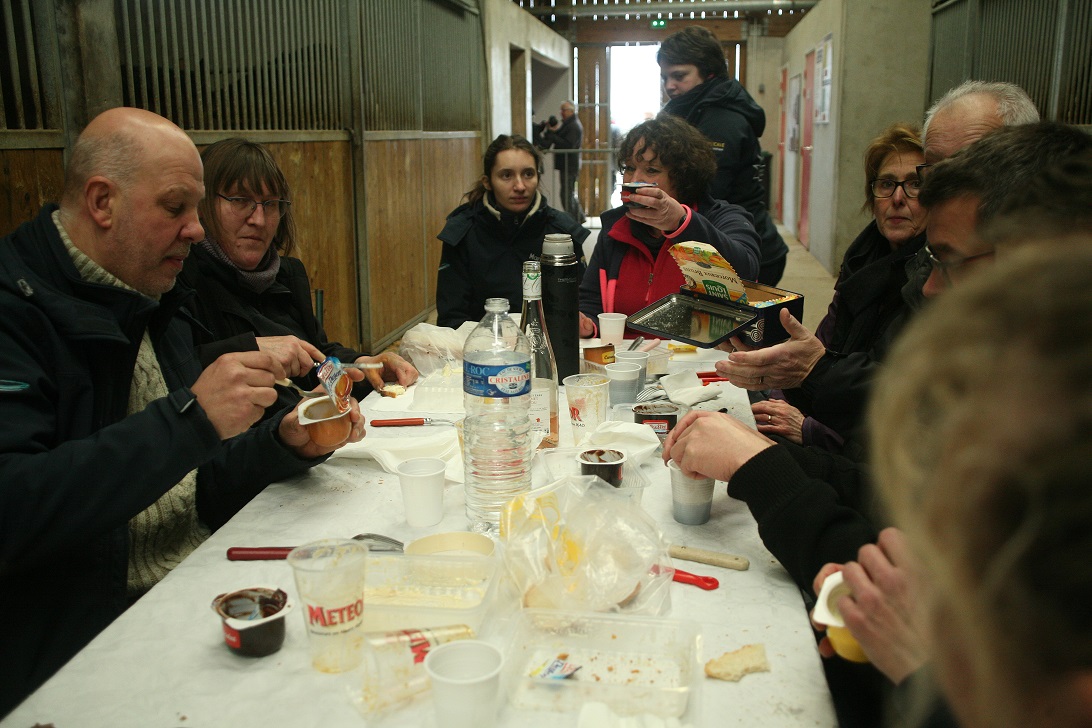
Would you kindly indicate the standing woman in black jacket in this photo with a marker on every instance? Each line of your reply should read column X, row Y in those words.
column 695, row 78
column 501, row 225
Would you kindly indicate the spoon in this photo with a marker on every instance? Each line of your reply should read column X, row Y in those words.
column 375, row 541
column 299, row 390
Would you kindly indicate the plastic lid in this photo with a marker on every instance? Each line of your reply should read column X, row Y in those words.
column 557, row 244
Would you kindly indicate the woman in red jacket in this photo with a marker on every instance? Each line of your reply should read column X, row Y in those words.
column 631, row 266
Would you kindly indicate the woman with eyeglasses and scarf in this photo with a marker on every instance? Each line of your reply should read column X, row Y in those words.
column 251, row 292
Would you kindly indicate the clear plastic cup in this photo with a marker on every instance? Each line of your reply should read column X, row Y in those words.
column 330, row 580
column 587, row 397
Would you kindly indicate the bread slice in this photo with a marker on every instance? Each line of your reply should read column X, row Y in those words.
column 734, row 665
column 392, row 390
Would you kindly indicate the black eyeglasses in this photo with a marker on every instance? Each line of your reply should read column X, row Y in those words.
column 947, row 267
column 245, row 207
column 923, row 170
column 884, row 188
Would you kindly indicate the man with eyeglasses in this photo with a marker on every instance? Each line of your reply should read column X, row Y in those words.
column 118, row 454
column 961, row 117
column 967, row 191
column 814, row 509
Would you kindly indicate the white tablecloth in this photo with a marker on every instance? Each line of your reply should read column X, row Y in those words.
column 163, row 663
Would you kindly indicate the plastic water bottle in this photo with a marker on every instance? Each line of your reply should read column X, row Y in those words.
column 497, row 437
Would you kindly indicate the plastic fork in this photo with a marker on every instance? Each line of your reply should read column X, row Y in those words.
column 651, row 392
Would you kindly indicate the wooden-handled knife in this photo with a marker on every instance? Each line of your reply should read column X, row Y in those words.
column 713, row 558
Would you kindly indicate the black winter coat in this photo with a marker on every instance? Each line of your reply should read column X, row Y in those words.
column 231, row 315
column 74, row 469
column 722, row 110
column 865, row 316
column 483, row 257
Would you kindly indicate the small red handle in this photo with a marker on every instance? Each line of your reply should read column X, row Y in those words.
column 257, row 553
column 702, row 582
column 403, row 422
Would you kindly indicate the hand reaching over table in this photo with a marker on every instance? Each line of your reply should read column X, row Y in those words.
column 297, row 356
column 235, row 390
column 781, row 366
column 712, row 445
column 395, row 369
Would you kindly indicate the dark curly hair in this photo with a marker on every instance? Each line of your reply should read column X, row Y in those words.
column 696, row 46
column 683, row 151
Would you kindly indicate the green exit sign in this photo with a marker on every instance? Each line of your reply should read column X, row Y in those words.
column 659, row 23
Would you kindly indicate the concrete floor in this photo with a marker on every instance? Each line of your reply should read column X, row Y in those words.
column 803, row 274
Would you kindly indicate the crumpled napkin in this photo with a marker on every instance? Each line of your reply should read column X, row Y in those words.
column 685, row 388
column 636, row 441
column 390, row 452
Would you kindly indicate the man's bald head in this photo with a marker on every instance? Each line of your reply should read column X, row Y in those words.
column 115, row 145
column 132, row 188
column 970, row 111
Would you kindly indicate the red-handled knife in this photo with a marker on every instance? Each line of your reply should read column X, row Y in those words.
column 410, row 422
column 257, row 553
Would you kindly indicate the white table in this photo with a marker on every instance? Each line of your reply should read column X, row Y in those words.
column 163, row 662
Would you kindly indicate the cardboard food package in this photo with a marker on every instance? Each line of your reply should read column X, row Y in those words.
column 715, row 304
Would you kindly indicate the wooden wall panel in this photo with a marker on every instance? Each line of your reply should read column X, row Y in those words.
column 32, row 177
column 320, row 175
column 459, row 160
column 596, row 181
column 396, row 250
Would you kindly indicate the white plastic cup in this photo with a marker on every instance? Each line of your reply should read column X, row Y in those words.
column 623, row 381
column 612, row 328
column 691, row 498
column 422, row 482
column 465, row 677
column 635, row 357
column 587, row 398
column 330, row 580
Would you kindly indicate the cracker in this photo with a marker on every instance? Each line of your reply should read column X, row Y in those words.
column 734, row 665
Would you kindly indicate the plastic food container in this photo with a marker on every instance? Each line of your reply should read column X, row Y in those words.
column 404, row 591
column 549, row 465
column 633, row 664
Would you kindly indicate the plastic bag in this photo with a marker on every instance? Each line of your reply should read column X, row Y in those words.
column 432, row 348
column 577, row 544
